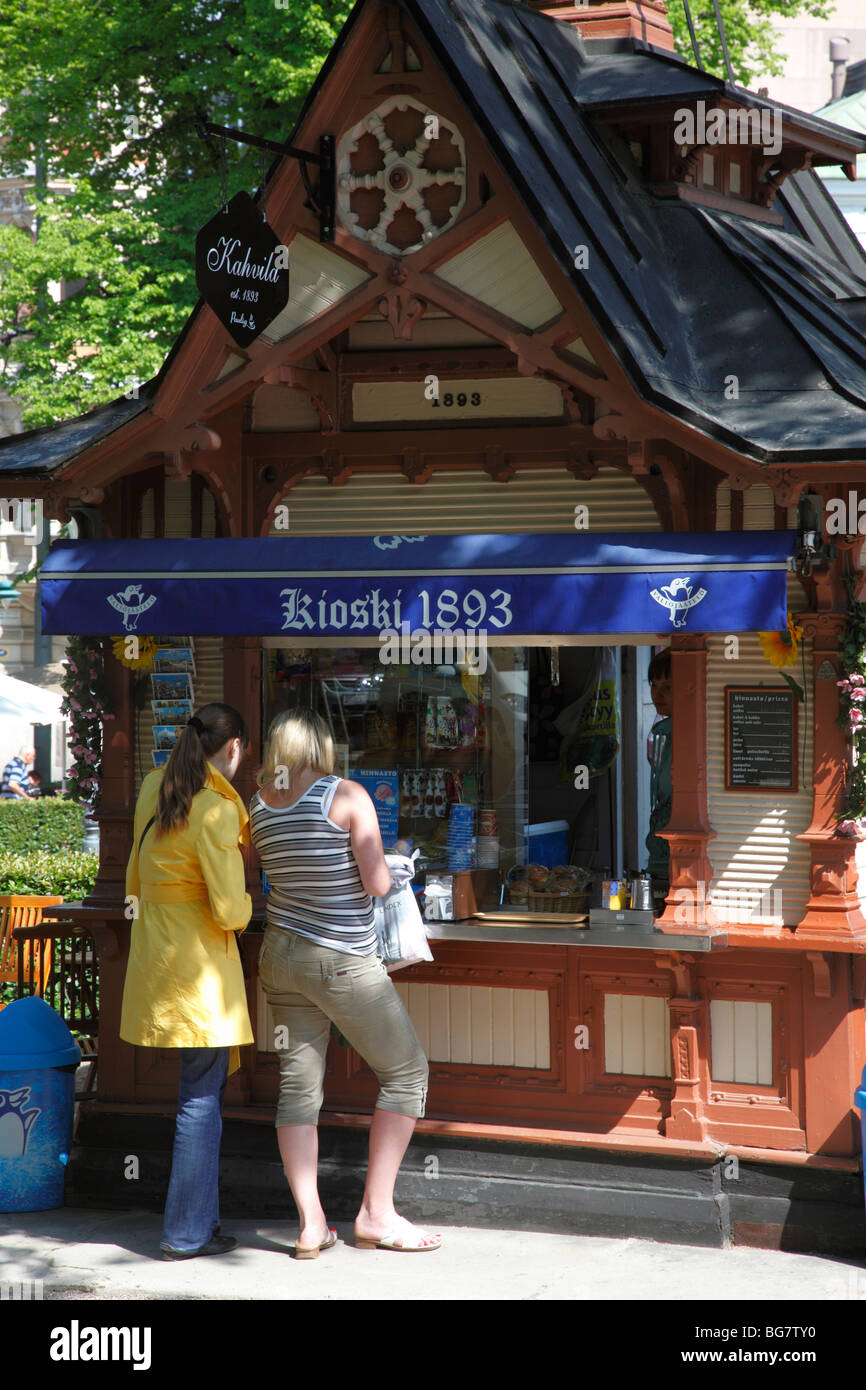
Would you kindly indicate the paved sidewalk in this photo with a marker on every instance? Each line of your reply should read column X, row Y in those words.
column 84, row 1254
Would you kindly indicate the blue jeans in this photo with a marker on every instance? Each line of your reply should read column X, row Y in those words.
column 192, row 1204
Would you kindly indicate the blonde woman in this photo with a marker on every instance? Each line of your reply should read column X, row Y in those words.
column 184, row 984
column 318, row 840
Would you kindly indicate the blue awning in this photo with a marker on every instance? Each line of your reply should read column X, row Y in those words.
column 360, row 586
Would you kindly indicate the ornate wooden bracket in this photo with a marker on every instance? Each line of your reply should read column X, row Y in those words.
column 58, row 505
column 497, row 465
column 414, row 468
column 611, row 426
column 686, row 167
column 204, row 436
column 822, row 973
column 786, row 486
column 321, row 387
column 335, row 468
column 792, row 161
column 402, row 311
column 682, row 966
column 583, row 466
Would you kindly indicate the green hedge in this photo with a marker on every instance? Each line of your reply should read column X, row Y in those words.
column 69, row 875
column 53, row 823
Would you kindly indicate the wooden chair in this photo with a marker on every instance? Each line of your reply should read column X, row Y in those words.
column 70, row 984
column 24, row 910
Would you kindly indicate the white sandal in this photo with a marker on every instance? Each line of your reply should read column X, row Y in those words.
column 393, row 1240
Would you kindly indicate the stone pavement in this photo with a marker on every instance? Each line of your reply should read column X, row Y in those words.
column 81, row 1254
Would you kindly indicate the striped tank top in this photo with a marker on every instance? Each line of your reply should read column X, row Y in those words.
column 316, row 887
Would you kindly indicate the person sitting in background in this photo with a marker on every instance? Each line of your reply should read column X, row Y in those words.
column 34, row 782
column 15, row 782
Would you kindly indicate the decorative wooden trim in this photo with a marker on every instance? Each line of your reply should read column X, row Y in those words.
column 688, row 831
column 822, row 973
column 833, row 907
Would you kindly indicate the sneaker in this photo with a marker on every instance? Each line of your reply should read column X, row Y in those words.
column 217, row 1245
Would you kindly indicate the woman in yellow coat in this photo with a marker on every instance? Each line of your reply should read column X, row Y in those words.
column 184, row 983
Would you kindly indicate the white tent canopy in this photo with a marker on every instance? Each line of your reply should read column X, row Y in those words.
column 21, row 700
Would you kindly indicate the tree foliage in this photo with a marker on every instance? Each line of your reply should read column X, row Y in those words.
column 106, row 94
column 754, row 42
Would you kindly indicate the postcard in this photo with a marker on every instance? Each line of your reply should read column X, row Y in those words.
column 165, row 712
column 161, row 756
column 174, row 660
column 171, row 686
column 165, row 736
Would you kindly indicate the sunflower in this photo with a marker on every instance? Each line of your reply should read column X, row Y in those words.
column 782, row 648
column 146, row 648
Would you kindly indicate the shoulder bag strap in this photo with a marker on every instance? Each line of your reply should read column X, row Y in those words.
column 144, row 832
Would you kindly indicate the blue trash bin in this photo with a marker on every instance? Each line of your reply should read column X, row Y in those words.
column 38, row 1057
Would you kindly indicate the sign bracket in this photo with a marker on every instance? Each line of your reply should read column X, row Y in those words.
column 325, row 203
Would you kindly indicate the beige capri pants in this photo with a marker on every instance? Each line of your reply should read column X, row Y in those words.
column 310, row 986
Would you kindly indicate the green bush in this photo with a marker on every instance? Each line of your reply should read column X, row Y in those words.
column 69, row 875
column 53, row 823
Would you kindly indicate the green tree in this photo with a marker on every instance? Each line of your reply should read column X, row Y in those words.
column 753, row 41
column 106, row 94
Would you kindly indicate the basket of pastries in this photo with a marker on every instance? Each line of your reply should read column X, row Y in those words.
column 540, row 889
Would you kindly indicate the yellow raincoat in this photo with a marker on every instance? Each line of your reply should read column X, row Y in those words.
column 184, row 980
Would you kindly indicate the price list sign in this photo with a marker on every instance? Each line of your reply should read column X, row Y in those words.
column 760, row 739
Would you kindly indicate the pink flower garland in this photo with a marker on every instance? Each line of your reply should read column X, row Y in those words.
column 85, row 708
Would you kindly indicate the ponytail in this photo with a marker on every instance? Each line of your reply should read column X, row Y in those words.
column 186, row 770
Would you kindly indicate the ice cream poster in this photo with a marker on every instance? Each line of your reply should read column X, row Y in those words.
column 383, row 787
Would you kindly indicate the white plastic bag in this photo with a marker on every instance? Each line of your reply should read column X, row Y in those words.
column 399, row 925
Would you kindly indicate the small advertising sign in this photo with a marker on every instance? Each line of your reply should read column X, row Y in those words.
column 241, row 269
column 383, row 787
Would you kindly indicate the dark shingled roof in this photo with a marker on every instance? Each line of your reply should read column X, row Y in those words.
column 44, row 450
column 686, row 296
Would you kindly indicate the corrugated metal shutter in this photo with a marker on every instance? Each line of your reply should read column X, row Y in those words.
column 208, row 651
column 759, row 512
column 755, row 851
column 457, row 503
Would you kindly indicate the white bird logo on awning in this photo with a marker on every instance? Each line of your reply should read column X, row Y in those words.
column 667, row 596
column 131, row 603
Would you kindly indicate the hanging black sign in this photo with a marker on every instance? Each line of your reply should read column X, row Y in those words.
column 241, row 269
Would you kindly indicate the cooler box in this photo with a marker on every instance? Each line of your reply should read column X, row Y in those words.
column 546, row 843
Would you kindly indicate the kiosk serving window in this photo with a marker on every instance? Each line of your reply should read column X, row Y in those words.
column 479, row 767
column 423, row 740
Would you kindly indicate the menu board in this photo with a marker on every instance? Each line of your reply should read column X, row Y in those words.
column 760, row 739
